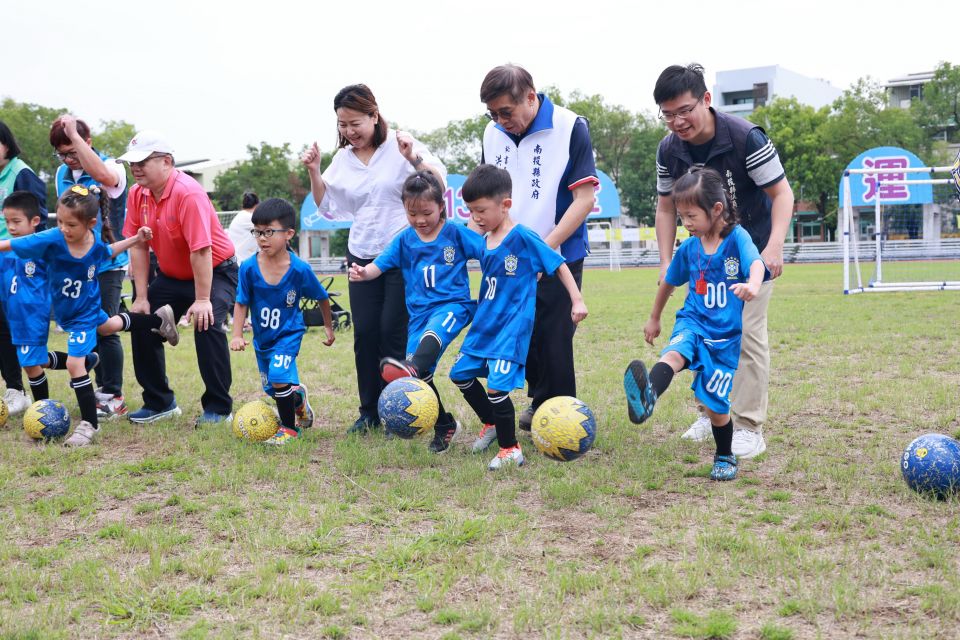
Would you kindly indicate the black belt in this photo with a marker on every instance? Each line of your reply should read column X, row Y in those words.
column 229, row 262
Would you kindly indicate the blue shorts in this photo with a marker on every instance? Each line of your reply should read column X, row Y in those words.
column 277, row 367
column 443, row 323
column 81, row 341
column 714, row 363
column 31, row 355
column 501, row 375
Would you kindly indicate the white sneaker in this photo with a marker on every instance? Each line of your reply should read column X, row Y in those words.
column 488, row 435
column 506, row 457
column 700, row 430
column 747, row 444
column 16, row 401
column 82, row 435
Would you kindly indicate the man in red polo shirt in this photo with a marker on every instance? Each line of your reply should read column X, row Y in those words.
column 197, row 275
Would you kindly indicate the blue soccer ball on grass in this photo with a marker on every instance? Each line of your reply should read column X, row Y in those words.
column 931, row 464
column 408, row 407
column 46, row 419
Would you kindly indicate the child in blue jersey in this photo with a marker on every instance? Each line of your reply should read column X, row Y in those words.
column 73, row 256
column 433, row 257
column 271, row 284
column 719, row 257
column 497, row 343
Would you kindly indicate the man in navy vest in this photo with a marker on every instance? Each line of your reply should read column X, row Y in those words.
column 84, row 165
column 754, row 177
column 549, row 155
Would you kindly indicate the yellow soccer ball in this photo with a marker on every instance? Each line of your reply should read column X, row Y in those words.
column 408, row 407
column 46, row 419
column 563, row 428
column 255, row 421
column 4, row 413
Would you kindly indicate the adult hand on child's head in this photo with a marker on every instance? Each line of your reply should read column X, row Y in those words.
column 330, row 337
column 238, row 343
column 200, row 314
column 311, row 157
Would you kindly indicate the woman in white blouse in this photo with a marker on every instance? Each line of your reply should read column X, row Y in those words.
column 363, row 184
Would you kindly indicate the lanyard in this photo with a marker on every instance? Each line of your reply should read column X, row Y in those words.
column 701, row 284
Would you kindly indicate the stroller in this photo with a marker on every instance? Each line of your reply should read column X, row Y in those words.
column 313, row 317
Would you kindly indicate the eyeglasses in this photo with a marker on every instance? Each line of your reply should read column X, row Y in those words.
column 683, row 113
column 147, row 159
column 499, row 114
column 265, row 233
column 69, row 155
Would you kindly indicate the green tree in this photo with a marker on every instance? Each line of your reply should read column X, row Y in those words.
column 270, row 171
column 458, row 144
column 113, row 137
column 638, row 174
column 612, row 130
column 939, row 110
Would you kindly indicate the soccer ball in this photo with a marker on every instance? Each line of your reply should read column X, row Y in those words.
column 408, row 407
column 255, row 421
column 563, row 428
column 931, row 463
column 46, row 419
column 4, row 413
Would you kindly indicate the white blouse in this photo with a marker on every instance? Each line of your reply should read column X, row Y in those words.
column 369, row 194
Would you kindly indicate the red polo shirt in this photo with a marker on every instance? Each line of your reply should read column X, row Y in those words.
column 183, row 221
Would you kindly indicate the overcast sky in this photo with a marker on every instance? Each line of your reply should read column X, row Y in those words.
column 215, row 76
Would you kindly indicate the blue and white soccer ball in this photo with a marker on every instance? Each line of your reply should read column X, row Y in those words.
column 931, row 464
column 563, row 428
column 46, row 419
column 408, row 407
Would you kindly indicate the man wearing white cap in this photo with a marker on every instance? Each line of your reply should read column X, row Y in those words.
column 197, row 275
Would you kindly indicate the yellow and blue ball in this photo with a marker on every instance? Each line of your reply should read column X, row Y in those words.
column 931, row 464
column 46, row 419
column 563, row 428
column 255, row 421
column 408, row 407
column 4, row 413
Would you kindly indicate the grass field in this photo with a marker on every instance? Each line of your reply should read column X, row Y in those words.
column 168, row 531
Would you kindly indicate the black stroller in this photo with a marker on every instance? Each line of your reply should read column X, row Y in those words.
column 312, row 316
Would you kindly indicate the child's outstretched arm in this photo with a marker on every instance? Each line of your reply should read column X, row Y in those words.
column 4, row 245
column 143, row 235
column 360, row 274
column 328, row 320
column 652, row 329
column 748, row 290
column 578, row 310
column 237, row 343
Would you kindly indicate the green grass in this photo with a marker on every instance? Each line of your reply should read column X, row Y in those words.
column 166, row 530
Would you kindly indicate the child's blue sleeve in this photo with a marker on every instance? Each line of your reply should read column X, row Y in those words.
column 748, row 253
column 473, row 242
column 390, row 258
column 678, row 273
column 311, row 287
column 35, row 245
column 544, row 258
column 243, row 283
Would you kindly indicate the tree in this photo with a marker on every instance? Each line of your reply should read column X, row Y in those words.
column 638, row 174
column 113, row 137
column 938, row 112
column 269, row 171
column 458, row 145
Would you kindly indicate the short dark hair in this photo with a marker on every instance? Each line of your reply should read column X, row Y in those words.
column 250, row 200
column 26, row 202
column 423, row 185
column 487, row 181
column 702, row 187
column 675, row 81
column 58, row 136
column 507, row 79
column 7, row 139
column 358, row 97
column 275, row 209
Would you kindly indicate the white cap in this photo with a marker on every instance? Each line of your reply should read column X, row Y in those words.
column 145, row 143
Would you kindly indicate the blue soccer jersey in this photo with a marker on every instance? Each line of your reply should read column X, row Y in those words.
column 26, row 299
column 435, row 272
column 503, row 323
column 73, row 285
column 275, row 308
column 716, row 312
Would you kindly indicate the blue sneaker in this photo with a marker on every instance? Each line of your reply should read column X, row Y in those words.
column 209, row 417
column 640, row 395
column 145, row 415
column 363, row 426
column 724, row 468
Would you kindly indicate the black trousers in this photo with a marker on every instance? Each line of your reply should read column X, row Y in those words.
column 550, row 370
column 110, row 370
column 379, row 312
column 9, row 364
column 213, row 353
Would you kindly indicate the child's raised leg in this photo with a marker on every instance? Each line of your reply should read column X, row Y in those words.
column 643, row 388
column 724, row 462
column 80, row 381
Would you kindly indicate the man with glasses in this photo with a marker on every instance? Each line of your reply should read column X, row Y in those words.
column 549, row 155
column 83, row 165
column 196, row 275
column 741, row 152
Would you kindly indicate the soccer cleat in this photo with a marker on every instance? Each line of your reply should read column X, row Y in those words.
column 640, row 395
column 209, row 417
column 724, row 468
column 363, row 426
column 168, row 325
column 16, row 401
column 700, row 430
column 392, row 369
column 303, row 409
column 110, row 407
column 506, row 457
column 145, row 415
column 91, row 361
column 525, row 421
column 748, row 444
column 82, row 435
column 282, row 437
column 443, row 436
column 488, row 434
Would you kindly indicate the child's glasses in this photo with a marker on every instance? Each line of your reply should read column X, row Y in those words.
column 265, row 233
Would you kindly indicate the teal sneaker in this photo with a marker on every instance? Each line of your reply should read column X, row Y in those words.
column 724, row 468
column 640, row 395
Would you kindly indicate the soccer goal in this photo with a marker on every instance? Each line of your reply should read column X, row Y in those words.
column 910, row 247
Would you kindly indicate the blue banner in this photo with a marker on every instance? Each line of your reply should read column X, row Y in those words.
column 606, row 205
column 865, row 187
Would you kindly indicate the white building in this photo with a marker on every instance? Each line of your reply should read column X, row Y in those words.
column 740, row 91
column 206, row 171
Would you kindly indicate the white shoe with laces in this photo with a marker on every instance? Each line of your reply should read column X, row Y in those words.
column 748, row 444
column 700, row 430
column 82, row 435
column 16, row 401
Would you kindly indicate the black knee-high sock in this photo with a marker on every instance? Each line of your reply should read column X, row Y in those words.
column 38, row 387
column 724, row 438
column 504, row 417
column 476, row 397
column 660, row 377
column 426, row 355
column 140, row 321
column 86, row 399
column 58, row 360
column 286, row 405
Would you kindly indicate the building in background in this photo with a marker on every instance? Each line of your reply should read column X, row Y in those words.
column 206, row 171
column 740, row 91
